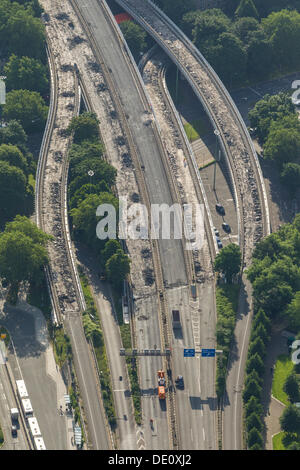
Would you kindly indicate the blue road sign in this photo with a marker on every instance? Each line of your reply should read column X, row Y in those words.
column 189, row 352
column 208, row 352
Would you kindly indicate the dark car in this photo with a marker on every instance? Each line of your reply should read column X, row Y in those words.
column 220, row 209
column 14, row 430
column 226, row 227
column 179, row 382
column 219, row 243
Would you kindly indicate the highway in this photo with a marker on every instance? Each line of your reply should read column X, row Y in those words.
column 246, row 176
column 158, row 187
column 8, row 401
column 51, row 212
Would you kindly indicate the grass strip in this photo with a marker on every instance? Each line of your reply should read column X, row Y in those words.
column 93, row 332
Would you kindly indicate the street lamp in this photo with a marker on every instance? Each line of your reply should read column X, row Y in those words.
column 91, row 174
column 217, row 133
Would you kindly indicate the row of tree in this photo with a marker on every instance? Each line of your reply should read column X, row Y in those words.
column 275, row 278
column 91, row 182
column 255, row 368
column 22, row 245
column 240, row 42
column 278, row 129
column 227, row 263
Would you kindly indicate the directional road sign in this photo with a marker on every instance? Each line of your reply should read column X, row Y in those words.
column 189, row 352
column 208, row 352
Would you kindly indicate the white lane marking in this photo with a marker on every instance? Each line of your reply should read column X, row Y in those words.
column 203, row 434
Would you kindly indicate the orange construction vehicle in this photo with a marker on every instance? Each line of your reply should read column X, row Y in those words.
column 161, row 384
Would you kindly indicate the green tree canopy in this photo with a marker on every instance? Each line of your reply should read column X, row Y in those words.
column 228, row 261
column 22, row 252
column 291, row 387
column 14, row 134
column 135, row 37
column 111, row 247
column 246, row 8
column 27, row 107
column 85, row 127
column 290, row 177
column 12, row 190
column 255, row 362
column 254, row 438
column 14, row 156
column 26, row 72
column 252, row 388
column 25, row 35
column 117, row 268
column 290, row 419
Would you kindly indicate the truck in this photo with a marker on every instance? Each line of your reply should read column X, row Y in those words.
column 161, row 384
column 176, row 319
column 14, row 414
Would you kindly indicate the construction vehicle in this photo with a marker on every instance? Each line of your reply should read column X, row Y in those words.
column 161, row 384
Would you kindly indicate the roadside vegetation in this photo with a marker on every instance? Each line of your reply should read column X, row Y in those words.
column 275, row 278
column 132, row 365
column 24, row 63
column 93, row 332
column 277, row 128
column 91, row 183
column 282, row 372
column 244, row 40
column 227, row 265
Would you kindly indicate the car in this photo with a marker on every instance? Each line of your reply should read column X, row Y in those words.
column 216, row 232
column 220, row 209
column 219, row 243
column 179, row 381
column 14, row 430
column 226, row 227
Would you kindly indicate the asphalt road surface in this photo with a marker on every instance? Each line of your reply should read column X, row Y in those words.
column 171, row 251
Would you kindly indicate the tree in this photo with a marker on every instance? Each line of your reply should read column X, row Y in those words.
column 12, row 190
column 246, row 8
column 291, row 387
column 255, row 362
column 175, row 9
column 28, row 107
column 290, row 419
column 260, row 331
column 257, row 346
column 270, row 108
column 14, row 134
column 26, row 72
column 22, row 256
column 253, row 376
column 254, row 438
column 117, row 268
column 253, row 406
column 252, row 388
column 135, row 37
column 290, row 177
column 12, row 155
column 293, row 312
column 282, row 146
column 260, row 318
column 85, row 219
column 111, row 247
column 228, row 261
column 25, row 35
column 254, row 421
column 85, row 127
column 283, row 30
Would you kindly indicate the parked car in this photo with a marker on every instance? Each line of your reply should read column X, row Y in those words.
column 14, row 430
column 220, row 209
column 219, row 243
column 226, row 227
column 216, row 232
